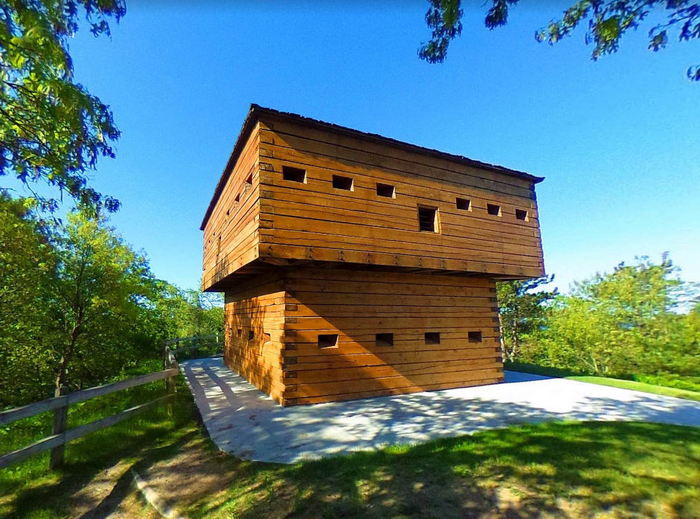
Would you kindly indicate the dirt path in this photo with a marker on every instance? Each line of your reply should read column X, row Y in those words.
column 178, row 481
column 110, row 494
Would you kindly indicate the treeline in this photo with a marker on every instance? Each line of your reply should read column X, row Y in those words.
column 640, row 321
column 78, row 306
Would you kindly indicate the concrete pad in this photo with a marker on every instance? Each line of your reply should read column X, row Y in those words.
column 245, row 422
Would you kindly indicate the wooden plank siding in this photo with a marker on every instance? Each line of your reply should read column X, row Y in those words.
column 231, row 233
column 315, row 221
column 356, row 305
column 253, row 333
column 288, row 308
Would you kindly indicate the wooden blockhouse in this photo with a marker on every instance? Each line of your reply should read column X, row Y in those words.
column 354, row 265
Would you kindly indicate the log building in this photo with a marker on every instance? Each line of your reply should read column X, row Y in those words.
column 354, row 265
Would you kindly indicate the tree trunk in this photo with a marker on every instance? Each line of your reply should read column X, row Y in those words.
column 500, row 331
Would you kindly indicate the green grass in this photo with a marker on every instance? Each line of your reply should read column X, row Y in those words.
column 671, row 380
column 39, row 492
column 551, row 469
column 606, row 381
column 569, row 469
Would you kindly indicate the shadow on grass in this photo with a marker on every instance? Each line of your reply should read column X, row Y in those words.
column 123, row 486
column 555, row 469
column 97, row 461
column 527, row 471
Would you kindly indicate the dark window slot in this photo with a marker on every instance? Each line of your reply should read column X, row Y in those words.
column 386, row 190
column 328, row 340
column 521, row 214
column 384, row 339
column 432, row 337
column 251, row 335
column 249, row 180
column 475, row 337
column 464, row 204
column 342, row 182
column 294, row 174
column 427, row 219
column 493, row 209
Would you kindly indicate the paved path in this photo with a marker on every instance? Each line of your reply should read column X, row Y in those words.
column 247, row 423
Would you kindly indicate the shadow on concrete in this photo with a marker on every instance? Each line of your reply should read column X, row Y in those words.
column 245, row 422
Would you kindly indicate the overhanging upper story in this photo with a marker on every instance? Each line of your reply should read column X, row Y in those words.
column 296, row 190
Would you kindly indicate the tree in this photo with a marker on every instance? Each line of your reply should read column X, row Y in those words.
column 27, row 266
column 188, row 313
column 100, row 292
column 608, row 21
column 52, row 130
column 623, row 322
column 79, row 307
column 522, row 311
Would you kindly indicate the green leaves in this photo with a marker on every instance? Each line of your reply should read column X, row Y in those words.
column 608, row 21
column 52, row 130
column 523, row 308
column 444, row 18
column 75, row 299
column 621, row 323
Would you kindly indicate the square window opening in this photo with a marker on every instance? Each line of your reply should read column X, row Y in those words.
column 384, row 339
column 493, row 209
column 475, row 337
column 240, row 332
column 428, row 219
column 294, row 174
column 521, row 214
column 328, row 340
column 464, row 204
column 386, row 190
column 342, row 183
column 432, row 337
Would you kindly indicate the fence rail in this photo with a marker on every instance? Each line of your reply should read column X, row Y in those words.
column 194, row 338
column 190, row 347
column 49, row 404
column 59, row 405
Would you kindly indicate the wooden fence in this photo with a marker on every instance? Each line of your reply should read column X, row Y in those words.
column 207, row 344
column 60, row 435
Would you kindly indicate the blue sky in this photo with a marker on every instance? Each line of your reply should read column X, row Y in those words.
column 617, row 139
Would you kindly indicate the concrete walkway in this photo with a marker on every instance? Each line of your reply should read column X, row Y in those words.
column 247, row 423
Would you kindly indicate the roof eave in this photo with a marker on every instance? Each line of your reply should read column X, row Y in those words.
column 247, row 127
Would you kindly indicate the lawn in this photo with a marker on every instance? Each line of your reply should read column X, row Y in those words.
column 551, row 469
column 607, row 381
column 29, row 489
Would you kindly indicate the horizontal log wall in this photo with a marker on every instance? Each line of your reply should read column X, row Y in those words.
column 357, row 305
column 231, row 232
column 254, row 329
column 316, row 221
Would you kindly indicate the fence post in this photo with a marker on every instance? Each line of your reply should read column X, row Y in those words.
column 167, row 364
column 60, row 420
